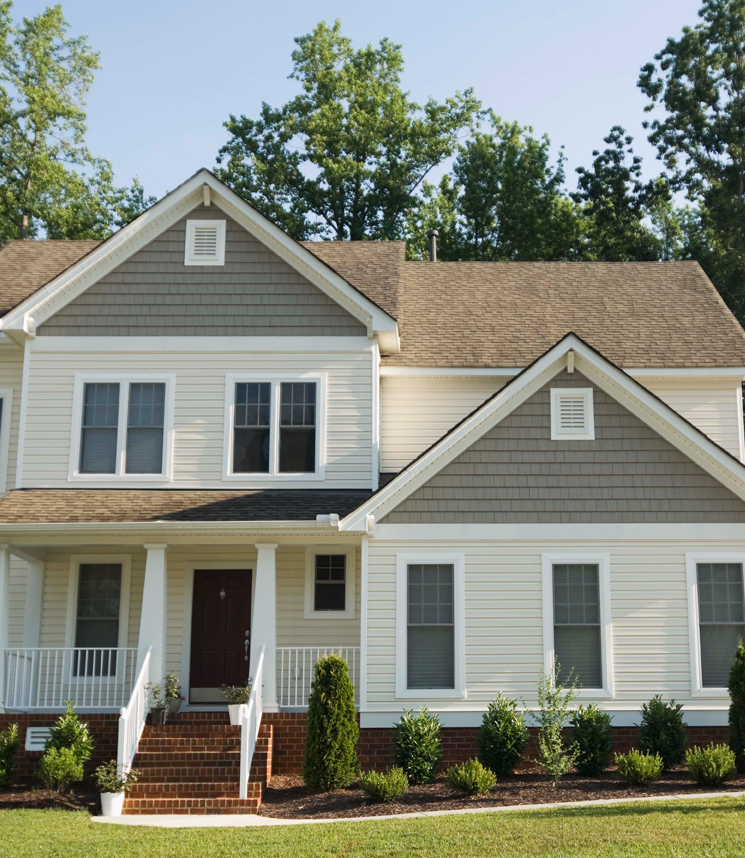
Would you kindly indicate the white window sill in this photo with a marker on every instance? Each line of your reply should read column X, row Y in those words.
column 431, row 694
column 600, row 693
column 717, row 693
column 317, row 476
column 118, row 478
column 329, row 615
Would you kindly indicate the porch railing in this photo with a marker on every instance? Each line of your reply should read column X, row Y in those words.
column 250, row 724
column 296, row 666
column 46, row 677
column 132, row 718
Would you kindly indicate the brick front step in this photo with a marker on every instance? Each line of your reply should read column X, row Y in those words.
column 201, row 806
column 203, row 789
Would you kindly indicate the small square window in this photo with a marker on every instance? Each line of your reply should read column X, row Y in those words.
column 572, row 414
column 330, row 583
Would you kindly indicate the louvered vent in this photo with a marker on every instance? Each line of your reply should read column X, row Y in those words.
column 205, row 242
column 572, row 417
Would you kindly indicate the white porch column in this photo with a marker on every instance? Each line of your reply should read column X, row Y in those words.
column 153, row 617
column 4, row 616
column 34, row 592
column 264, row 622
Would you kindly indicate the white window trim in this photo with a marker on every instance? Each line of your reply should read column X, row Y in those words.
column 6, row 394
column 602, row 561
column 76, row 560
column 311, row 551
column 586, row 394
column 458, row 561
column 275, row 379
column 124, row 380
column 191, row 225
column 692, row 561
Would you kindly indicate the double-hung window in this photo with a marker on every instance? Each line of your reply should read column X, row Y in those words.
column 274, row 427
column 717, row 614
column 123, row 429
column 97, row 623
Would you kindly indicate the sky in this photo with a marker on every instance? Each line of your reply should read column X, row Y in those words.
column 171, row 74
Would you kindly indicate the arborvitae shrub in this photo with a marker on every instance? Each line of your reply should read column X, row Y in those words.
column 638, row 768
column 418, row 746
column 736, row 687
column 9, row 743
column 470, row 778
column 662, row 730
column 384, row 786
column 330, row 760
column 592, row 740
column 711, row 766
column 502, row 737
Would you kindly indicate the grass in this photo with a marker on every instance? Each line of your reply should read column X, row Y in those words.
column 712, row 828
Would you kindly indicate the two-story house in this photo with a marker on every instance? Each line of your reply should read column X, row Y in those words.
column 225, row 452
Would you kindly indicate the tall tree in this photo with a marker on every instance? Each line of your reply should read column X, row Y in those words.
column 346, row 157
column 616, row 203
column 698, row 82
column 49, row 181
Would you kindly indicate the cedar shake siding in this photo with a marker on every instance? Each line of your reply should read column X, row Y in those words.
column 516, row 473
column 255, row 293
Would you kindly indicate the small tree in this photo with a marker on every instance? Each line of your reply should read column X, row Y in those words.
column 662, row 730
column 502, row 737
column 554, row 700
column 736, row 687
column 71, row 732
column 418, row 746
column 330, row 760
column 591, row 739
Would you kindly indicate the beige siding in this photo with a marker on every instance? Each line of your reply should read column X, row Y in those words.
column 416, row 412
column 17, row 606
column 713, row 405
column 11, row 376
column 200, row 411
column 504, row 631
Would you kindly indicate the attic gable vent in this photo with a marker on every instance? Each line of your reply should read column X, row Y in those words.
column 205, row 242
column 572, row 417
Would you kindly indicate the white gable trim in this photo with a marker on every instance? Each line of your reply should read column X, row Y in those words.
column 22, row 321
column 630, row 393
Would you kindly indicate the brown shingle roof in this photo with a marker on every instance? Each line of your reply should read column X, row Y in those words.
column 65, row 506
column 27, row 265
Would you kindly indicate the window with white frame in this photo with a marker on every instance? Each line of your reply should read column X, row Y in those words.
column 572, row 414
column 721, row 619
column 275, row 427
column 430, row 627
column 122, row 428
column 205, row 242
column 577, row 627
column 97, row 618
column 329, row 583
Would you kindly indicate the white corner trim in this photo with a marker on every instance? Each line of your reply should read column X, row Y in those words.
column 364, row 581
column 694, row 639
column 375, row 416
column 76, row 560
column 458, row 562
column 349, row 552
column 190, row 256
column 6, row 395
column 124, row 379
column 558, row 433
column 740, row 420
column 22, row 416
column 275, row 379
column 606, row 625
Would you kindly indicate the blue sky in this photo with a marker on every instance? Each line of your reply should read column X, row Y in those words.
column 171, row 74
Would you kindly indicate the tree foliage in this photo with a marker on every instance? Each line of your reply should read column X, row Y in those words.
column 736, row 687
column 345, row 157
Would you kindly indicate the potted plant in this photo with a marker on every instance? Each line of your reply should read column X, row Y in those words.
column 158, row 705
column 237, row 697
column 113, row 786
column 172, row 693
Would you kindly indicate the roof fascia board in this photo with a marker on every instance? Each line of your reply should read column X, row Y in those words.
column 224, row 527
column 735, row 372
column 631, row 393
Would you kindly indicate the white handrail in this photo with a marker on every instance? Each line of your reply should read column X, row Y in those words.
column 132, row 718
column 250, row 725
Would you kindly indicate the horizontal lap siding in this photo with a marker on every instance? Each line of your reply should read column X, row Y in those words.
column 199, row 413
column 11, row 376
column 17, row 602
column 504, row 631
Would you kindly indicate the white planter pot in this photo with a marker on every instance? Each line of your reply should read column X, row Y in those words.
column 112, row 803
column 236, row 710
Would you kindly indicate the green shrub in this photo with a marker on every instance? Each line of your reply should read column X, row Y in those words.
column 9, row 743
column 108, row 778
column 638, row 768
column 554, row 699
column 662, row 730
column 736, row 687
column 384, row 786
column 502, row 737
column 592, row 740
column 330, row 759
column 58, row 768
column 418, row 746
column 470, row 778
column 70, row 732
column 711, row 766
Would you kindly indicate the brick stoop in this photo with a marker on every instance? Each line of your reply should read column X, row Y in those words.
column 192, row 765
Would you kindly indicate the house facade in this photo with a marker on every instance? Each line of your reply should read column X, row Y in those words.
column 225, row 453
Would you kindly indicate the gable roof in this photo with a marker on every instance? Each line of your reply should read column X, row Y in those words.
column 640, row 402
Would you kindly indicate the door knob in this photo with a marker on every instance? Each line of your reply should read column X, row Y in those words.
column 245, row 643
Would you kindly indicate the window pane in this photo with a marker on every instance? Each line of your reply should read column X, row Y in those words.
column 578, row 647
column 577, row 623
column 722, row 619
column 431, row 634
column 330, row 582
column 297, row 433
column 718, row 648
column 99, row 429
column 99, row 595
column 147, row 403
column 252, row 421
column 253, row 404
column 251, row 451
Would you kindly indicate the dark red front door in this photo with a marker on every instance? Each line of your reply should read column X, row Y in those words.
column 220, row 627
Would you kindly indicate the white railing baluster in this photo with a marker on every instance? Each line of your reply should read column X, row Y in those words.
column 296, row 667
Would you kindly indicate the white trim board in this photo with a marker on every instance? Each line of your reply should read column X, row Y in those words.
column 227, row 345
column 735, row 372
column 6, row 395
column 534, row 533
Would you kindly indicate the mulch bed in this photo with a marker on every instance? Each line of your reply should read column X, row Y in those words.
column 80, row 798
column 289, row 798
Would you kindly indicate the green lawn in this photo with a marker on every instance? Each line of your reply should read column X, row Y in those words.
column 713, row 828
